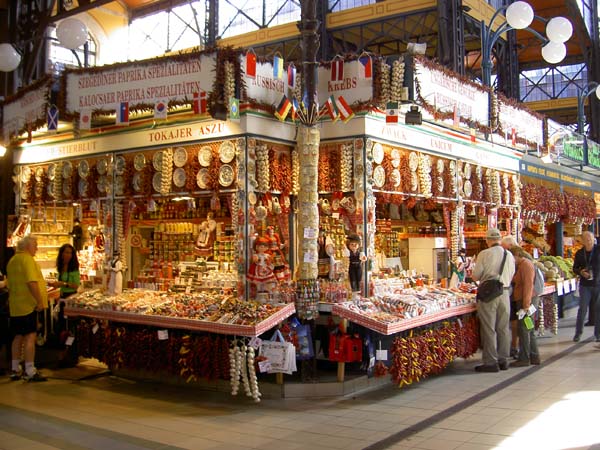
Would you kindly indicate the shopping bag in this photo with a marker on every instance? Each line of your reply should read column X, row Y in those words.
column 281, row 354
column 337, row 347
column 353, row 349
column 304, row 348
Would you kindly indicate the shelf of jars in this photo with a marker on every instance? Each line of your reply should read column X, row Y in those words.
column 212, row 312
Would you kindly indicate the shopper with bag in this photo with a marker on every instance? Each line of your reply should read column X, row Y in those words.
column 494, row 270
column 587, row 266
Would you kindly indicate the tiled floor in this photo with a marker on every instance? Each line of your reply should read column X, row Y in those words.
column 553, row 406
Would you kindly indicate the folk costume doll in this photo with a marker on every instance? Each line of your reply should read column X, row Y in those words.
column 206, row 236
column 280, row 266
column 115, row 284
column 357, row 258
column 260, row 272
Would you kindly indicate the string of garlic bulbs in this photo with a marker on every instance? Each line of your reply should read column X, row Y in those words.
column 234, row 372
column 295, row 172
column 119, row 230
column 244, row 370
column 297, row 93
column 252, row 378
column 263, row 172
column 166, row 171
column 555, row 321
column 541, row 325
column 385, row 84
column 346, row 169
column 397, row 81
column 424, row 169
column 57, row 182
column 229, row 83
column 496, row 189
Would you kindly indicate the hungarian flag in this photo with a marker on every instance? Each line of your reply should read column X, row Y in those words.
column 391, row 112
column 52, row 118
column 344, row 109
column 337, row 69
column 160, row 109
column 291, row 75
column 332, row 108
column 277, row 67
column 366, row 67
column 85, row 119
column 284, row 108
column 251, row 65
column 473, row 134
column 123, row 113
column 199, row 102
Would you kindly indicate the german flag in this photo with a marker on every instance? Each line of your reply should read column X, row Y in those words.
column 284, row 108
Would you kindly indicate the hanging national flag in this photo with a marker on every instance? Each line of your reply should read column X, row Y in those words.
column 251, row 64
column 337, row 69
column 513, row 137
column 332, row 108
column 85, row 119
column 391, row 112
column 291, row 75
column 295, row 108
column 123, row 114
column 455, row 117
column 52, row 118
column 277, row 67
column 234, row 108
column 344, row 109
column 473, row 134
column 283, row 109
column 366, row 67
column 160, row 109
column 199, row 102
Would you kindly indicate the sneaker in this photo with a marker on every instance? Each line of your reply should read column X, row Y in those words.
column 14, row 375
column 35, row 377
column 514, row 353
column 504, row 365
column 535, row 360
column 487, row 368
column 520, row 363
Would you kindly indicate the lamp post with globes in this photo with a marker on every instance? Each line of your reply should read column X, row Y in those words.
column 585, row 93
column 519, row 16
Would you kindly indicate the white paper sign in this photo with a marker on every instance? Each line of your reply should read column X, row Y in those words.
column 371, row 362
column 264, row 366
column 95, row 329
column 310, row 257
column 566, row 286
column 310, row 233
column 381, row 355
column 573, row 284
column 69, row 341
column 255, row 342
column 163, row 335
column 559, row 288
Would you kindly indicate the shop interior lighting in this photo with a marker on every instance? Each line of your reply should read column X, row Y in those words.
column 2, row 150
column 414, row 116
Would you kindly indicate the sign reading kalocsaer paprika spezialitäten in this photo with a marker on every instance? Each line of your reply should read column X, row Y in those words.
column 572, row 147
column 593, row 154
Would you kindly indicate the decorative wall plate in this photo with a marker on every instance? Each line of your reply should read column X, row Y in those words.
column 414, row 182
column 205, row 156
column 102, row 166
column 179, row 177
column 226, row 175
column 157, row 160
column 50, row 189
column 227, row 152
column 180, row 157
column 67, row 169
column 395, row 155
column 137, row 182
column 413, row 161
column 83, row 186
column 24, row 192
column 39, row 173
column 478, row 171
column 452, row 167
column 379, row 176
column 395, row 177
column 102, row 184
column 467, row 189
column 25, row 174
column 120, row 164
column 378, row 153
column 139, row 161
column 440, row 184
column 119, row 185
column 83, row 168
column 66, row 188
column 467, row 170
column 157, row 181
column 440, row 166
column 202, row 179
column 51, row 171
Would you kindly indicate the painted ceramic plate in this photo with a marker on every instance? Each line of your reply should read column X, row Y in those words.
column 440, row 184
column 139, row 161
column 120, row 165
column 413, row 161
column 414, row 182
column 378, row 153
column 440, row 166
column 39, row 173
column 83, row 186
column 202, row 179
column 467, row 188
column 66, row 188
column 205, row 156
column 180, row 157
column 467, row 170
column 379, row 176
column 157, row 181
column 119, row 185
column 67, row 169
column 226, row 175
column 505, row 180
column 25, row 174
column 137, row 182
column 39, row 190
column 395, row 177
column 51, row 171
column 102, row 184
column 478, row 171
column 24, row 192
column 252, row 198
column 50, row 189
column 179, row 177
column 157, row 160
column 452, row 167
column 83, row 168
column 227, row 152
column 102, row 166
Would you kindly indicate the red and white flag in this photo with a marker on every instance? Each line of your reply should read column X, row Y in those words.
column 344, row 109
column 337, row 69
column 513, row 137
column 85, row 119
column 365, row 67
column 199, row 102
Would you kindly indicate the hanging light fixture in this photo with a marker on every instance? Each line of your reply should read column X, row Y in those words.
column 71, row 33
column 9, row 58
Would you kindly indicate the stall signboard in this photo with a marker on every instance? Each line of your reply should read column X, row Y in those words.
column 519, row 123
column 24, row 109
column 346, row 82
column 140, row 83
column 593, row 154
column 264, row 86
column 571, row 147
column 558, row 176
column 449, row 94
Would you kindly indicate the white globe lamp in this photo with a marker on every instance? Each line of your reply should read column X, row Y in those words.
column 9, row 58
column 554, row 52
column 71, row 33
column 559, row 29
column 598, row 92
column 519, row 15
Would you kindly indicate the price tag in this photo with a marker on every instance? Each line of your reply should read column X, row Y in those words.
column 573, row 284
column 559, row 288
column 310, row 233
column 460, row 324
column 264, row 366
column 163, row 335
column 255, row 342
column 371, row 362
column 310, row 257
column 95, row 329
column 69, row 341
column 335, row 215
column 566, row 286
column 381, row 355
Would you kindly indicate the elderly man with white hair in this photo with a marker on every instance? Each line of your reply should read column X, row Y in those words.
column 587, row 266
column 27, row 295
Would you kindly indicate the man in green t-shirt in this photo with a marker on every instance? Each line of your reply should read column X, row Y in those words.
column 27, row 296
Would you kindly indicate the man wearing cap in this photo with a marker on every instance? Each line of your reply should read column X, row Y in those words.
column 494, row 315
